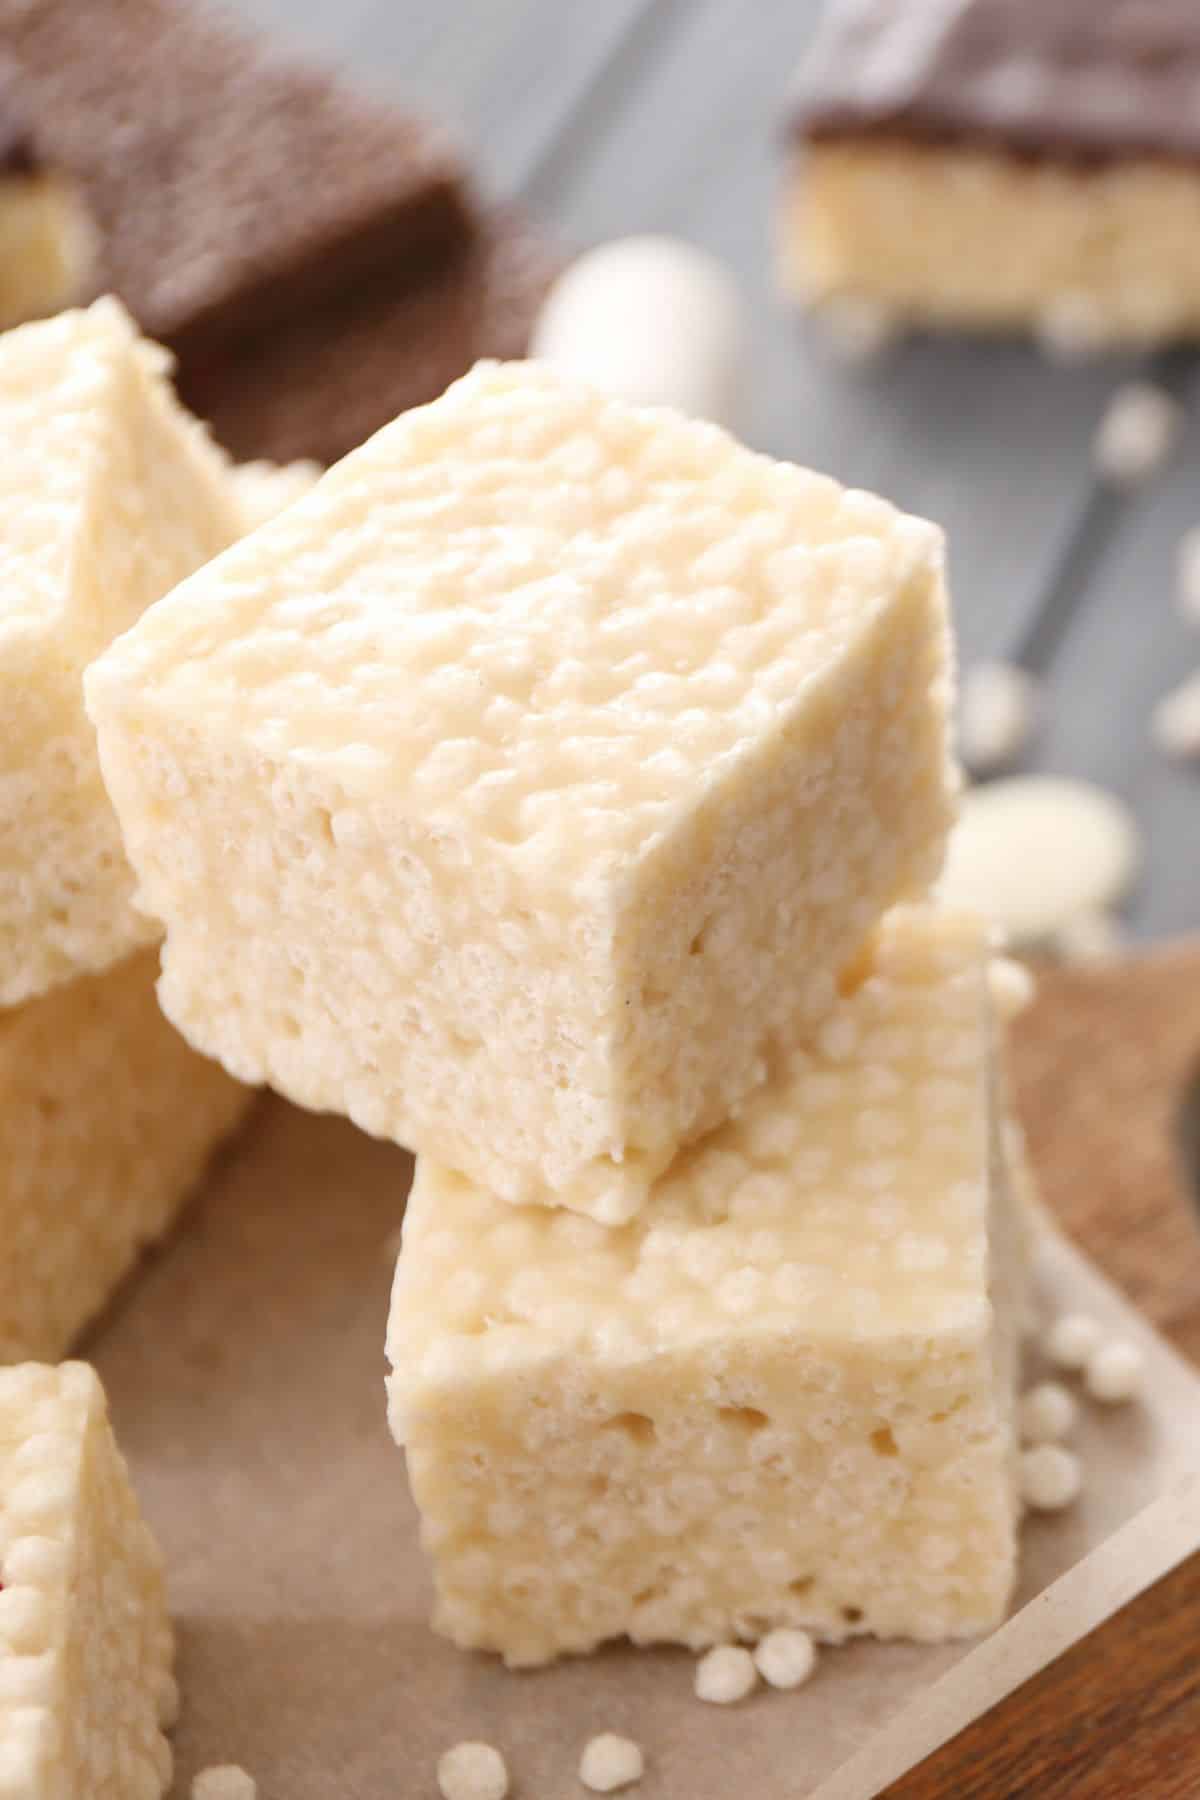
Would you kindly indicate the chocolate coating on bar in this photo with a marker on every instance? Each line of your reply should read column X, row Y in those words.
column 18, row 146
column 232, row 186
column 322, row 386
column 1084, row 80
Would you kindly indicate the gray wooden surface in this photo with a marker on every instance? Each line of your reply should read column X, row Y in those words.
column 617, row 116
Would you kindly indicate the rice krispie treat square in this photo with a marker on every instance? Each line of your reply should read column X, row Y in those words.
column 518, row 788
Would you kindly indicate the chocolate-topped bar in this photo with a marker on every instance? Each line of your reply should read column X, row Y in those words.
column 1001, row 164
column 46, row 240
column 319, row 387
column 234, row 187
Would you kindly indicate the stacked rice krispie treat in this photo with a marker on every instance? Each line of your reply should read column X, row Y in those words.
column 557, row 789
column 111, row 494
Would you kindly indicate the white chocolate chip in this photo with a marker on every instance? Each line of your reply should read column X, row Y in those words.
column 1032, row 852
column 650, row 320
column 610, row 1762
column 1051, row 1477
column 1114, row 1372
column 997, row 714
column 1012, row 986
column 1187, row 576
column 1046, row 1413
column 725, row 1675
column 1072, row 1340
column 1136, row 433
column 472, row 1771
column 858, row 330
column 785, row 1658
column 1175, row 721
column 1090, row 937
column 227, row 1782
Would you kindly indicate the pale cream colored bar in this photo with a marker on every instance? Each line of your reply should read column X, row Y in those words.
column 515, row 789
column 262, row 489
column 951, row 235
column 107, row 1119
column 783, row 1395
column 110, row 494
column 47, row 244
column 85, row 1641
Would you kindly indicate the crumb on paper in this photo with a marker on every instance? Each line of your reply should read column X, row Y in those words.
column 1135, row 434
column 785, row 1658
column 472, row 1771
column 610, row 1762
column 1051, row 1477
column 725, row 1675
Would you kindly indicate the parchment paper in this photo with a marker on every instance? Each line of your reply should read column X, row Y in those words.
column 245, row 1370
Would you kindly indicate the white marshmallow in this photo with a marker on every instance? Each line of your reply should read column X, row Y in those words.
column 651, row 320
column 1032, row 852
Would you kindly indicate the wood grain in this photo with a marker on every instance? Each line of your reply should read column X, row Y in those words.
column 1101, row 1064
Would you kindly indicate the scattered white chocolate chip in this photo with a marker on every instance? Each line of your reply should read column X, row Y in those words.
column 997, row 714
column 1072, row 1340
column 1187, row 578
column 1114, row 1372
column 1070, row 328
column 472, row 1771
column 1033, row 852
column 725, row 1675
column 610, row 1762
column 1046, row 1413
column 651, row 320
column 858, row 330
column 1012, row 986
column 228, row 1782
column 785, row 1658
column 1135, row 435
column 1175, row 721
column 1090, row 937
column 1051, row 1477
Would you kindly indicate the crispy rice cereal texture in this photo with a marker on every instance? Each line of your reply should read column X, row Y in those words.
column 514, row 790
column 85, row 1641
column 107, row 1119
column 110, row 494
column 783, row 1395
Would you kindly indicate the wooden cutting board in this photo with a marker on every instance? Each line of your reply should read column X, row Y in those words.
column 1102, row 1062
